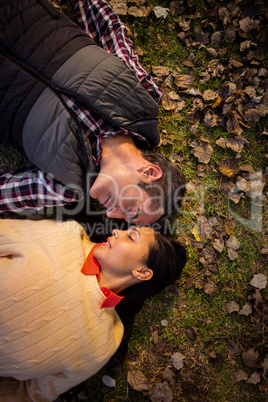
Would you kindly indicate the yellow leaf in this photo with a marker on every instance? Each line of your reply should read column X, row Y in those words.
column 228, row 167
column 195, row 233
column 229, row 227
column 217, row 101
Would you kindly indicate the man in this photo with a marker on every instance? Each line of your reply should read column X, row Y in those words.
column 78, row 121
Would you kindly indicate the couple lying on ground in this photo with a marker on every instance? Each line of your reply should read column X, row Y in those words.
column 66, row 304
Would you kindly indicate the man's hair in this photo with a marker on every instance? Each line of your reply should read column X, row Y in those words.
column 168, row 191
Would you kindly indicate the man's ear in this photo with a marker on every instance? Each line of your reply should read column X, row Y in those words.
column 151, row 172
column 143, row 274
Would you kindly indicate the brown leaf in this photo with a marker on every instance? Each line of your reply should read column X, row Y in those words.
column 167, row 103
column 178, row 360
column 232, row 124
column 233, row 243
column 209, row 95
column 210, row 119
column 139, row 12
column 216, row 38
column 247, row 24
column 234, row 348
column 216, row 68
column 119, row 7
column 210, row 288
column 246, row 310
column 161, row 392
column 190, row 331
column 254, row 379
column 229, row 167
column 218, row 244
column 259, row 281
column 184, row 81
column 232, row 307
column 211, row 53
column 200, row 284
column 201, row 37
column 232, row 254
column 203, row 152
column 253, row 114
column 154, row 337
column 204, row 229
column 221, row 142
column 230, row 33
column 137, row 380
column 236, row 143
column 250, row 357
column 160, row 71
column 240, row 375
column 167, row 374
column 209, row 254
column 227, row 90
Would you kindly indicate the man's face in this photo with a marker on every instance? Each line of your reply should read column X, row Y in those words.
column 124, row 199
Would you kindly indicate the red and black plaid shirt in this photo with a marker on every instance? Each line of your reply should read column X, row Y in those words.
column 30, row 188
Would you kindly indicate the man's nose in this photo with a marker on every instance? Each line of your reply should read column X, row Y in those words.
column 114, row 213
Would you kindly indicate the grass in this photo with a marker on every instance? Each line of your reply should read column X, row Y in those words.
column 203, row 376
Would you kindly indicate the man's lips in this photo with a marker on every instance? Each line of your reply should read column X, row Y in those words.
column 107, row 203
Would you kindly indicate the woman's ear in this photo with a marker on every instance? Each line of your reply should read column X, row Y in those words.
column 143, row 274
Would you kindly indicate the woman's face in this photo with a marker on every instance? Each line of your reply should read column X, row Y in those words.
column 125, row 251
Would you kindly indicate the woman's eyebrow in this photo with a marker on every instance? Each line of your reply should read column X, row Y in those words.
column 137, row 230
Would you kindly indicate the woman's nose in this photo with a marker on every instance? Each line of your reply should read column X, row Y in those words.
column 115, row 233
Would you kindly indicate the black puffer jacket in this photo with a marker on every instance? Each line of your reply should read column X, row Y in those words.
column 43, row 55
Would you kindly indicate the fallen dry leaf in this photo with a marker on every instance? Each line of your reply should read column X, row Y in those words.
column 240, row 375
column 108, row 381
column 202, row 152
column 234, row 348
column 161, row 392
column 218, row 244
column 167, row 374
column 232, row 307
column 236, row 143
column 259, row 281
column 232, row 254
column 229, row 227
column 246, row 310
column 161, row 12
column 229, row 167
column 183, row 81
column 178, row 360
column 250, row 357
column 221, row 142
column 210, row 288
column 137, row 380
column 190, row 331
column 233, row 243
column 254, row 379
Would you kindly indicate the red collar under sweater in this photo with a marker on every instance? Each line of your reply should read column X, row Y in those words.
column 91, row 267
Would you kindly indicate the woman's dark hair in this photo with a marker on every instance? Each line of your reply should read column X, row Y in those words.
column 166, row 258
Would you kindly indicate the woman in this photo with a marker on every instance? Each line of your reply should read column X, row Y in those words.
column 61, row 298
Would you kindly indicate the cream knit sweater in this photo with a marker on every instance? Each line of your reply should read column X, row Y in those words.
column 53, row 334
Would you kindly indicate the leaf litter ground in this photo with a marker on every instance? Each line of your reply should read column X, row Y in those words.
column 206, row 336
